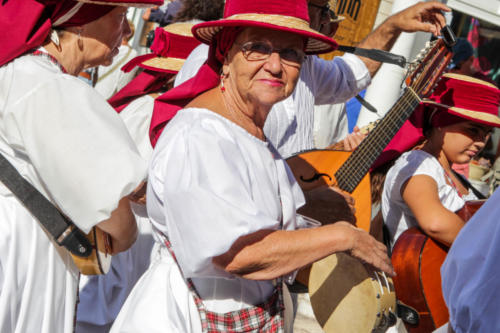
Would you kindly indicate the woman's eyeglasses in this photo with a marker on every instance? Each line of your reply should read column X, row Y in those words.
column 257, row 51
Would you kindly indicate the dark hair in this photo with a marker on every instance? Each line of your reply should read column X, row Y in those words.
column 429, row 111
column 204, row 10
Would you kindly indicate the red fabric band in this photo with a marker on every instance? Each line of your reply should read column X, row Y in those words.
column 296, row 9
column 143, row 84
column 468, row 95
column 171, row 45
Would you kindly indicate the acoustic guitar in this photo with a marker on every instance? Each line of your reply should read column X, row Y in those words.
column 349, row 171
column 417, row 260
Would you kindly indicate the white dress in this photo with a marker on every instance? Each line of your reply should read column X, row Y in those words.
column 102, row 296
column 137, row 118
column 71, row 145
column 470, row 273
column 290, row 124
column 210, row 182
column 396, row 213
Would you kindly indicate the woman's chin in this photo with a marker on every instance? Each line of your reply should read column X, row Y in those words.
column 266, row 98
column 463, row 159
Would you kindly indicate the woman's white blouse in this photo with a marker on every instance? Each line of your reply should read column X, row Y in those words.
column 211, row 182
column 137, row 118
column 397, row 215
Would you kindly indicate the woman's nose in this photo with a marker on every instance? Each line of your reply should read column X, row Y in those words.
column 126, row 29
column 273, row 63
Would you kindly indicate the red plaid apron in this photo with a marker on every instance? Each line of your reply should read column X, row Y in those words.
column 266, row 317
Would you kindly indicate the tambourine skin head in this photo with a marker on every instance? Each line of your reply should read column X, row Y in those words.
column 346, row 296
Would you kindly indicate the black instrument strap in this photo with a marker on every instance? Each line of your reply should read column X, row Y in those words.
column 469, row 186
column 64, row 232
column 374, row 54
column 365, row 103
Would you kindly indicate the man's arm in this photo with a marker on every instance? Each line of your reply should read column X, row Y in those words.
column 423, row 16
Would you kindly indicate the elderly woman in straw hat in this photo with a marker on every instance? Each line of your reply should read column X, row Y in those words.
column 421, row 189
column 101, row 296
column 221, row 200
column 67, row 142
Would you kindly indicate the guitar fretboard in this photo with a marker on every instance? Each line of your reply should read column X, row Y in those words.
column 357, row 165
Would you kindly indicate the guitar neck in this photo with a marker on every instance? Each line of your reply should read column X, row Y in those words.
column 357, row 165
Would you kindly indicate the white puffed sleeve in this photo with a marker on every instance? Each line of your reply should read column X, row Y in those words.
column 338, row 80
column 79, row 148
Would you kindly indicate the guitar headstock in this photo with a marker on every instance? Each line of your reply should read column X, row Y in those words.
column 431, row 62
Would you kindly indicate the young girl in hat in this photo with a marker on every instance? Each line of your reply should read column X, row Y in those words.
column 421, row 188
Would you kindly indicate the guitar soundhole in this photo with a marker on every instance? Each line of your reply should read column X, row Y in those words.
column 315, row 177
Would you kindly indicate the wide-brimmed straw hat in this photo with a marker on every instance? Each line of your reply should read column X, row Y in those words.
column 170, row 48
column 283, row 15
column 459, row 95
column 468, row 98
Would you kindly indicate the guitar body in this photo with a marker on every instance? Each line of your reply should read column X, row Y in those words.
column 417, row 260
column 99, row 260
column 321, row 165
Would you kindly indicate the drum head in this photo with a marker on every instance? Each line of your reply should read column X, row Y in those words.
column 343, row 295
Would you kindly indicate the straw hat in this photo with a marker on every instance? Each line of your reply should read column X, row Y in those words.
column 468, row 98
column 170, row 48
column 283, row 15
column 172, row 45
column 459, row 95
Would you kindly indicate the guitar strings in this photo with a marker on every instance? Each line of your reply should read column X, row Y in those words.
column 351, row 177
column 350, row 171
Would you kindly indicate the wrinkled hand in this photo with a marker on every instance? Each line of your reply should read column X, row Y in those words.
column 423, row 16
column 363, row 246
column 349, row 199
column 354, row 139
column 139, row 194
column 328, row 204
